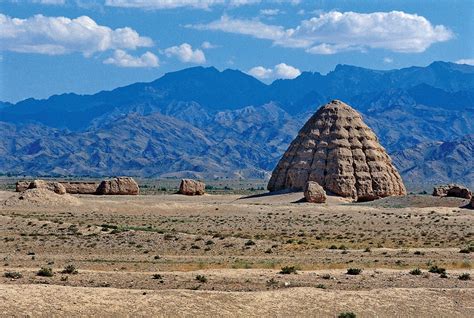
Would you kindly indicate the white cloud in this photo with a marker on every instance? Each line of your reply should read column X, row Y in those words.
column 465, row 61
column 325, row 49
column 396, row 31
column 174, row 4
column 208, row 45
column 253, row 28
column 281, row 70
column 122, row 59
column 261, row 72
column 387, row 60
column 51, row 2
column 60, row 35
column 270, row 12
column 185, row 53
column 334, row 32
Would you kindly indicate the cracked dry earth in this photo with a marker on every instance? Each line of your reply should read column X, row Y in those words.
column 221, row 255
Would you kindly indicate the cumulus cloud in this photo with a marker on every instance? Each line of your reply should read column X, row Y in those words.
column 173, row 4
column 208, row 45
column 186, row 54
column 334, row 32
column 396, row 31
column 387, row 60
column 122, row 59
column 261, row 72
column 281, row 70
column 465, row 61
column 61, row 35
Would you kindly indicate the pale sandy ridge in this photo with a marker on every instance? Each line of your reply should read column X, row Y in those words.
column 60, row 301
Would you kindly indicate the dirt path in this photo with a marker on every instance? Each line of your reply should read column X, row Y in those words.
column 55, row 301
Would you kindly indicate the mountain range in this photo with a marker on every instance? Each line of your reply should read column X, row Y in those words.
column 202, row 122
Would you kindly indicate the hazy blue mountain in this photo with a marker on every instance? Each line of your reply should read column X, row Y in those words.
column 438, row 162
column 231, row 89
column 209, row 123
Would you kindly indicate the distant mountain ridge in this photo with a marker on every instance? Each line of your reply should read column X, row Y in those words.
column 437, row 162
column 232, row 89
column 204, row 122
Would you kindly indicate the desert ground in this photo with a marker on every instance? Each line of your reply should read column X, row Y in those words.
column 237, row 254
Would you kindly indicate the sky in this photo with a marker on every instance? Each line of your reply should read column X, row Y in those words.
column 59, row 46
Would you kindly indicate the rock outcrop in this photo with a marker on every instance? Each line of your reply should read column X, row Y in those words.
column 191, row 187
column 314, row 193
column 340, row 152
column 119, row 186
column 452, row 190
column 55, row 187
column 472, row 202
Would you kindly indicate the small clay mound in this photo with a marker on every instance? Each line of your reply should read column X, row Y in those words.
column 452, row 190
column 314, row 193
column 119, row 186
column 191, row 187
column 41, row 197
column 340, row 152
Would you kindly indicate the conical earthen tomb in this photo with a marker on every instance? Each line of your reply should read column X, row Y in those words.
column 339, row 151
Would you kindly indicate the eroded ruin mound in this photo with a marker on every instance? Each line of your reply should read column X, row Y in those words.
column 339, row 151
column 41, row 197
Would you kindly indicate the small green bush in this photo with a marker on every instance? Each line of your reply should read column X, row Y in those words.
column 157, row 276
column 437, row 270
column 347, row 315
column 45, row 272
column 69, row 269
column 415, row 271
column 249, row 243
column 354, row 271
column 464, row 276
column 14, row 275
column 467, row 250
column 288, row 270
column 201, row 278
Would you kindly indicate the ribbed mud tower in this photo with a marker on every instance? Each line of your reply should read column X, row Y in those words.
column 339, row 151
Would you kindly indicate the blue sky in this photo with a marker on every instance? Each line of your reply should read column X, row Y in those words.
column 56, row 46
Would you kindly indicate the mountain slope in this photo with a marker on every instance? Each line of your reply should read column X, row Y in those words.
column 231, row 89
column 438, row 162
column 207, row 123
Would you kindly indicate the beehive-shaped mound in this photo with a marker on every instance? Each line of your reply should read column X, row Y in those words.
column 339, row 151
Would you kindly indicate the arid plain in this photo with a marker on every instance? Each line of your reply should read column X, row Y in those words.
column 233, row 254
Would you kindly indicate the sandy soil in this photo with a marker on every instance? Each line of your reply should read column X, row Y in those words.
column 60, row 301
column 222, row 255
